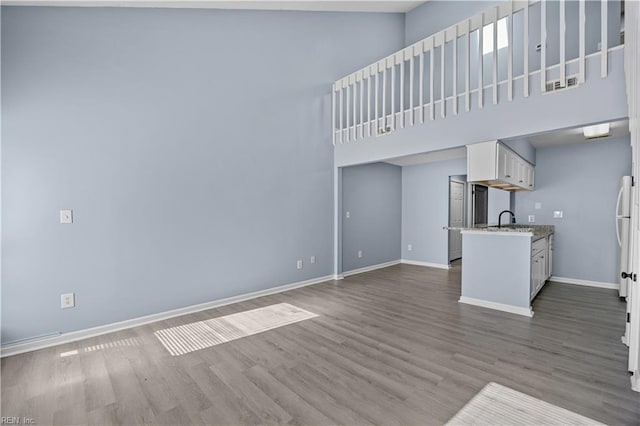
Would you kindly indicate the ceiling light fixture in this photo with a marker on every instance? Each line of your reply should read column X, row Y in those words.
column 597, row 131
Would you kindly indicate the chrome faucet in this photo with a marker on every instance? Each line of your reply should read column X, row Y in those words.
column 513, row 217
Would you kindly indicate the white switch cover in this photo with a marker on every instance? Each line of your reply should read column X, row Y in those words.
column 348, row 214
column 532, row 218
column 312, row 260
column 67, row 300
column 558, row 214
column 409, row 247
column 66, row 216
column 538, row 206
column 359, row 253
column 299, row 264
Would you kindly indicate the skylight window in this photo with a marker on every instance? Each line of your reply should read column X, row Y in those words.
column 487, row 36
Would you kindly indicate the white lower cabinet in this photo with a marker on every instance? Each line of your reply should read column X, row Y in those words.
column 540, row 264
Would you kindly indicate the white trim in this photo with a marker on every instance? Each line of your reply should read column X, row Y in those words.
column 427, row 264
column 501, row 233
column 587, row 283
column 46, row 342
column 635, row 382
column 527, row 312
column 370, row 268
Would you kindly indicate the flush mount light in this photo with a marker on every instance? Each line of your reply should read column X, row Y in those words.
column 597, row 131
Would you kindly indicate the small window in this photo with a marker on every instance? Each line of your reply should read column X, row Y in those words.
column 487, row 36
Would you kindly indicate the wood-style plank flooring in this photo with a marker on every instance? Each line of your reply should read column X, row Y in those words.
column 391, row 346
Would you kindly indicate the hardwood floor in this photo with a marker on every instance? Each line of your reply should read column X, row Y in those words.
column 390, row 346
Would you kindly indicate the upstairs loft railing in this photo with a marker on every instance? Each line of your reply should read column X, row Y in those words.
column 459, row 66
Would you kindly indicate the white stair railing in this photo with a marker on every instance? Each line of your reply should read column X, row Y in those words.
column 450, row 68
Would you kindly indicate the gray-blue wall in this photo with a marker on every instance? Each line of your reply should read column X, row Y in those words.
column 194, row 147
column 372, row 194
column 425, row 209
column 582, row 180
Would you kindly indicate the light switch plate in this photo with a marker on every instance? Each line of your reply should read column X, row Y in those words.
column 312, row 260
column 538, row 206
column 558, row 214
column 66, row 216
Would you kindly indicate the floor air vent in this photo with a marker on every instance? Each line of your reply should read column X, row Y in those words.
column 555, row 85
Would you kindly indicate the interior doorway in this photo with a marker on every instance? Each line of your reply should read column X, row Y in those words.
column 479, row 204
column 457, row 189
column 468, row 206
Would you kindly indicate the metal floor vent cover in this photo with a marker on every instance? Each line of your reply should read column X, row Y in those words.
column 205, row 334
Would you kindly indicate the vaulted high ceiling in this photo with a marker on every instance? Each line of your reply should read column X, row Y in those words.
column 395, row 6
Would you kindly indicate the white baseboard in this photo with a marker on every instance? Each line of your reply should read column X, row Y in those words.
column 427, row 264
column 635, row 381
column 370, row 268
column 527, row 312
column 73, row 336
column 599, row 284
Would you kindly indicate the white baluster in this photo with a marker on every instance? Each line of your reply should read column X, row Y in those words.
column 604, row 49
column 582, row 39
column 467, row 95
column 495, row 55
column 510, row 52
column 543, row 46
column 480, row 61
column 333, row 114
column 455, row 71
column 525, row 49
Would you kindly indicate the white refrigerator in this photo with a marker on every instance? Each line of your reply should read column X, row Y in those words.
column 623, row 231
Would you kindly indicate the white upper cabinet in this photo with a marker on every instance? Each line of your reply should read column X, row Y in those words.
column 493, row 164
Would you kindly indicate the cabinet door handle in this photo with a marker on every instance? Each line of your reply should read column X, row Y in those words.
column 507, row 176
column 521, row 181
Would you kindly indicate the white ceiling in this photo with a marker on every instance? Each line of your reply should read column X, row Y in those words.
column 429, row 157
column 394, row 6
column 542, row 140
column 575, row 135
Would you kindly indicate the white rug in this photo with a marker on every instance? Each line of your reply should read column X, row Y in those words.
column 499, row 405
column 204, row 334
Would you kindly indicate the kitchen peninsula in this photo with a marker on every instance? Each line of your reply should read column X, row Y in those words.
column 505, row 267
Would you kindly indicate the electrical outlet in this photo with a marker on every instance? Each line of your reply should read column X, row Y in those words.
column 558, row 214
column 409, row 247
column 67, row 300
column 359, row 253
column 66, row 216
column 348, row 215
column 312, row 260
column 299, row 264
column 532, row 218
